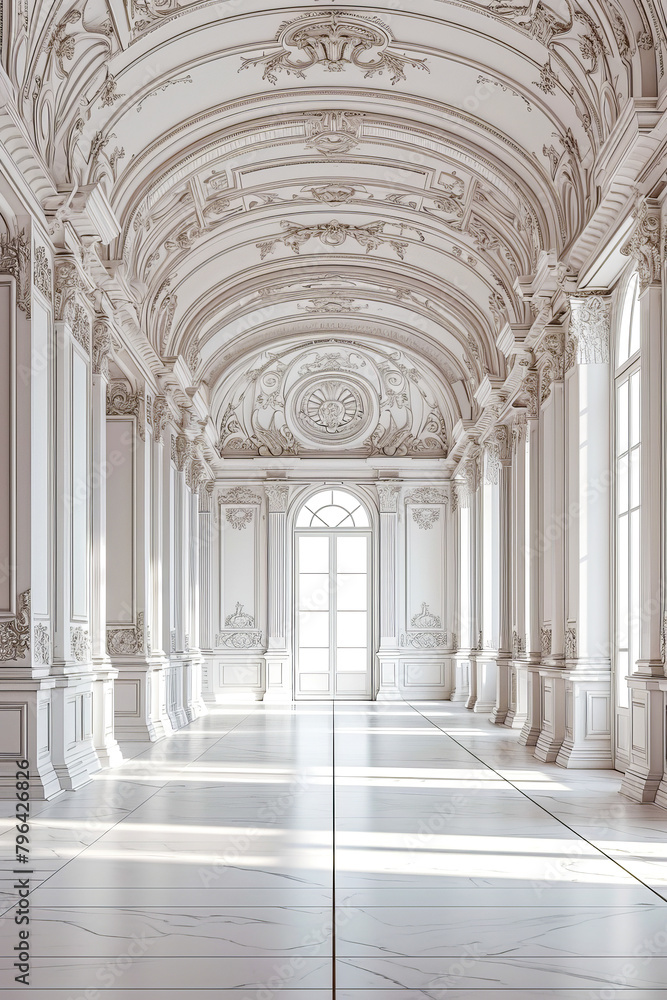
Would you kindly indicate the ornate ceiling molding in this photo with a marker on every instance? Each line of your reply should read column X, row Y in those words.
column 331, row 399
column 334, row 234
column 334, row 41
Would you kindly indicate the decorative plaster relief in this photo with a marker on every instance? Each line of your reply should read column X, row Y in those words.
column 41, row 273
column 334, row 41
column 42, row 645
column 388, row 496
column 644, row 246
column 239, row 640
column 426, row 619
column 15, row 260
column 571, row 643
column 334, row 234
column 424, row 640
column 239, row 495
column 278, row 496
column 127, row 641
column 426, row 494
column 425, row 517
column 122, row 402
column 80, row 643
column 590, row 325
column 15, row 633
column 239, row 619
column 545, row 640
column 239, row 517
column 377, row 402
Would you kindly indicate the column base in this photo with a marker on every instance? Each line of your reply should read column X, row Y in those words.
column 661, row 794
column 25, row 708
column 104, row 739
column 278, row 667
column 461, row 691
column 389, row 667
column 639, row 787
column 73, row 753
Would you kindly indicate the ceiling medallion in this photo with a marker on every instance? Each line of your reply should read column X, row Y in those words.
column 331, row 411
column 334, row 41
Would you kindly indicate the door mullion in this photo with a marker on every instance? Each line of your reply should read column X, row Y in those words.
column 333, row 605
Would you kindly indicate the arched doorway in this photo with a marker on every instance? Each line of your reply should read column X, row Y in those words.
column 333, row 598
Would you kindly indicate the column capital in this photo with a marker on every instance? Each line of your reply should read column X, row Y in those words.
column 278, row 497
column 645, row 243
column 388, row 495
column 123, row 401
column 590, row 326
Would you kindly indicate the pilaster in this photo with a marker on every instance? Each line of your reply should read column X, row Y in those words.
column 589, row 708
column 389, row 662
column 278, row 656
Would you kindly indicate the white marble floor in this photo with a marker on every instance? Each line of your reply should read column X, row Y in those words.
column 456, row 865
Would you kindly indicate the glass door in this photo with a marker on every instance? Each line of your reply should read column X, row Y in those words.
column 333, row 620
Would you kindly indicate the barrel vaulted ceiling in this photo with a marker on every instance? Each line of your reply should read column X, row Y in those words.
column 336, row 173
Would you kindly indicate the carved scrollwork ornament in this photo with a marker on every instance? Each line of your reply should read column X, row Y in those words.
column 239, row 495
column 239, row 619
column 127, row 641
column 426, row 619
column 425, row 517
column 334, row 41
column 81, row 327
column 80, row 643
column 41, row 273
column 123, row 402
column 239, row 640
column 15, row 260
column 160, row 416
column 41, row 645
column 102, row 347
column 531, row 386
column 545, row 640
column 182, row 451
column 239, row 517
column 424, row 640
column 15, row 632
column 69, row 282
column 427, row 494
column 645, row 245
column 571, row 643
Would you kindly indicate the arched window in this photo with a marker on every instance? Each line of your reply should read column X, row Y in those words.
column 627, row 389
column 333, row 597
column 332, row 509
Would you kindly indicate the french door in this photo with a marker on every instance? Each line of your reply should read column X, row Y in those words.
column 333, row 619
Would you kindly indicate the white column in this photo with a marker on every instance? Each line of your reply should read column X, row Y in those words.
column 532, row 562
column 104, row 739
column 73, row 753
column 388, row 681
column 589, row 709
column 502, row 442
column 647, row 682
column 517, row 695
column 279, row 654
column 553, row 530
column 206, row 542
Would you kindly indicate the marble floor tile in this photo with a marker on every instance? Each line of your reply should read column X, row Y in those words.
column 464, row 868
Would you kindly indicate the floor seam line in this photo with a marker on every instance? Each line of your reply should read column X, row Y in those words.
column 540, row 806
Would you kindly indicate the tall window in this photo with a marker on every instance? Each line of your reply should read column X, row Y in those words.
column 333, row 620
column 628, row 483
